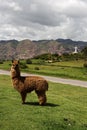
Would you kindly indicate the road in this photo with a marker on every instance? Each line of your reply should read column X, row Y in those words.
column 54, row 79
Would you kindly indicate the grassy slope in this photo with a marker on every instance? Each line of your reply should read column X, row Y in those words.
column 59, row 71
column 69, row 69
column 66, row 108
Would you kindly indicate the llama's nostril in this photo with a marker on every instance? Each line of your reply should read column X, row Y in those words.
column 17, row 65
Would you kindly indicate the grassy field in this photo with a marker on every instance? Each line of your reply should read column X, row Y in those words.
column 69, row 69
column 59, row 71
column 66, row 108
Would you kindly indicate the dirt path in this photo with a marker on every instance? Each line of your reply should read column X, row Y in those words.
column 54, row 79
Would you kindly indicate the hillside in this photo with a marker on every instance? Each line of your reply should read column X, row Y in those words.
column 27, row 49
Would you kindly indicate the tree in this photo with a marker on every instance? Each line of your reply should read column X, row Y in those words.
column 84, row 52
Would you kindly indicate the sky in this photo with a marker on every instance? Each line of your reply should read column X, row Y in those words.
column 43, row 19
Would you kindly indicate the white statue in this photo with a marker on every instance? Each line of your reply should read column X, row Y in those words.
column 76, row 50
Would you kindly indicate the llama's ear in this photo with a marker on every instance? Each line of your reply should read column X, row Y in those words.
column 13, row 60
column 18, row 61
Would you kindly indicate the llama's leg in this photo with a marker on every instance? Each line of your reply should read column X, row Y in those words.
column 23, row 96
column 41, row 97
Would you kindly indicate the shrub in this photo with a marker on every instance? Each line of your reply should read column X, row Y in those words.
column 1, row 62
column 85, row 65
column 41, row 62
column 23, row 65
column 28, row 61
column 36, row 68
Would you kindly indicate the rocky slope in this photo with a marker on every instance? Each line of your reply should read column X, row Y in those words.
column 27, row 49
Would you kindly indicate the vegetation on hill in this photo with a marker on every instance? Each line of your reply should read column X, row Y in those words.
column 57, row 58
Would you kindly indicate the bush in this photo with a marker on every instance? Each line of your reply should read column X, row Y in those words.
column 23, row 65
column 28, row 61
column 85, row 65
column 41, row 62
column 36, row 68
column 1, row 62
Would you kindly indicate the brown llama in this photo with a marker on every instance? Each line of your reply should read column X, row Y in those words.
column 27, row 84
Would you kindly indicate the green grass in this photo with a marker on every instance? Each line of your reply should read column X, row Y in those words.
column 59, row 71
column 66, row 108
column 73, row 63
column 6, row 65
column 69, row 69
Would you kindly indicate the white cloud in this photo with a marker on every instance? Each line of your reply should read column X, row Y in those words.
column 38, row 19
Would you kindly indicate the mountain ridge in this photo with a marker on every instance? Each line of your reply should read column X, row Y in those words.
column 26, row 48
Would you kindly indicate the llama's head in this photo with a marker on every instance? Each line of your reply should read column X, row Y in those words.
column 15, row 64
column 15, row 71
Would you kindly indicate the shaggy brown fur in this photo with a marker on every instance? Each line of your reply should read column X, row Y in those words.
column 27, row 84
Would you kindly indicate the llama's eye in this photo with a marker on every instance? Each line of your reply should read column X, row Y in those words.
column 13, row 65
